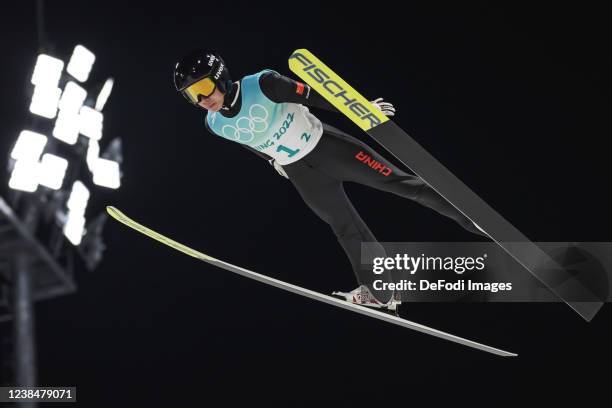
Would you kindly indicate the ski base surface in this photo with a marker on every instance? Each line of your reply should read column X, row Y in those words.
column 124, row 219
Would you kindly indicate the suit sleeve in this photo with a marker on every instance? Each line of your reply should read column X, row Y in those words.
column 281, row 89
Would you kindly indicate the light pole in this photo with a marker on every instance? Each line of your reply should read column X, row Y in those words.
column 44, row 222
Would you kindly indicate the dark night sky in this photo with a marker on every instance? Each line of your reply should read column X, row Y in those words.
column 516, row 102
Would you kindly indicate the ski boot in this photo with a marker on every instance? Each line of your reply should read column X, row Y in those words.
column 363, row 297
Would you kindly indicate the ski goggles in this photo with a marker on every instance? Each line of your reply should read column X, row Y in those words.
column 205, row 87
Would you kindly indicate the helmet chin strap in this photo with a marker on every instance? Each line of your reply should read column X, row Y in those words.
column 236, row 87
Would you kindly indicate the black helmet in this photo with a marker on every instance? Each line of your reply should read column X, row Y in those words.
column 197, row 65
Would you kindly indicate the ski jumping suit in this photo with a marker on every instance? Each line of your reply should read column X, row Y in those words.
column 269, row 117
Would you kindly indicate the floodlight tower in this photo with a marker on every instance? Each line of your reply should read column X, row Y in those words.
column 54, row 164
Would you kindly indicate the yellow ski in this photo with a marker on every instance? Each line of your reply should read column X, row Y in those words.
column 397, row 142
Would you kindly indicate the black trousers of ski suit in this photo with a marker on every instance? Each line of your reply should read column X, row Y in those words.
column 337, row 158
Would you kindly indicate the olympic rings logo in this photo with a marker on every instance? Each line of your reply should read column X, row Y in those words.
column 247, row 127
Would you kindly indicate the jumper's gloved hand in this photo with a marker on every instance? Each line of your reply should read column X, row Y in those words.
column 279, row 169
column 385, row 107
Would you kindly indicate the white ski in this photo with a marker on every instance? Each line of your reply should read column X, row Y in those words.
column 121, row 217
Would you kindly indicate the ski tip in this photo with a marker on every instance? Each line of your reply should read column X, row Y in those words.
column 113, row 211
column 300, row 51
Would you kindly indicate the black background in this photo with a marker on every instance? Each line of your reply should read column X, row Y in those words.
column 515, row 101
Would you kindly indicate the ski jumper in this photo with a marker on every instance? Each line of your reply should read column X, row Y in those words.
column 318, row 159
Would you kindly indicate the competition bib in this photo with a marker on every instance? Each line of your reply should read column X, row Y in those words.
column 284, row 131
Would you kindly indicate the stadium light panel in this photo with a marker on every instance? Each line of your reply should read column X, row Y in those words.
column 90, row 123
column 80, row 63
column 24, row 176
column 52, row 171
column 106, row 173
column 45, row 100
column 47, row 71
column 104, row 94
